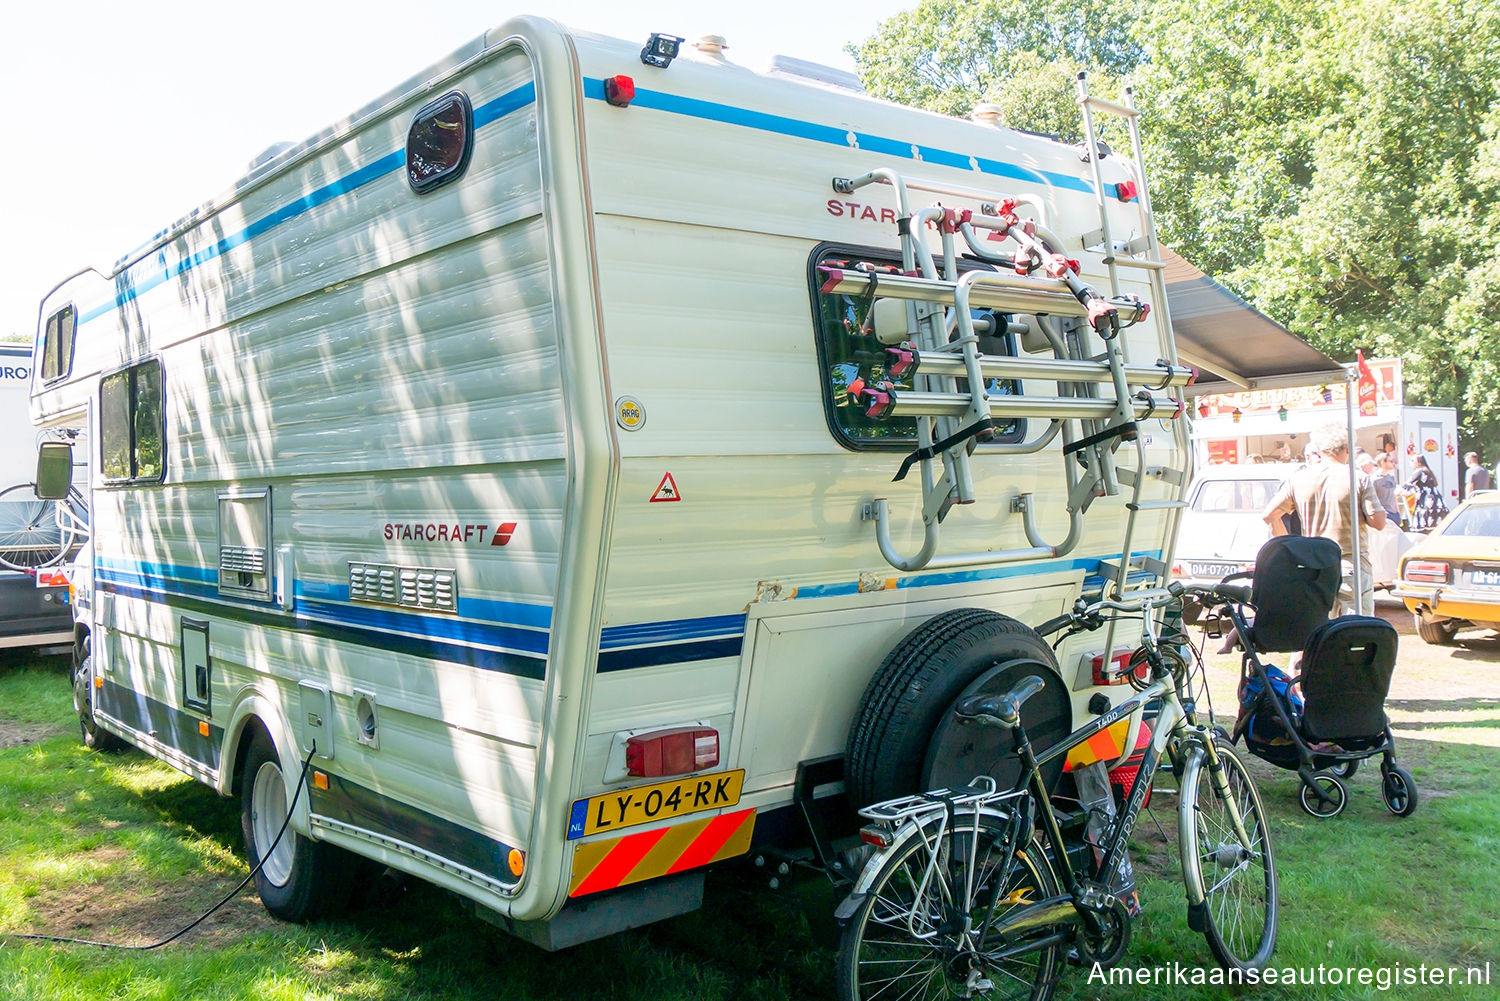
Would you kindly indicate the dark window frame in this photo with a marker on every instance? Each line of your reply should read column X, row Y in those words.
column 64, row 370
column 129, row 371
column 455, row 170
column 830, row 410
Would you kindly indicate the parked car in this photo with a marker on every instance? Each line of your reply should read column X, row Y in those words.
column 1222, row 529
column 1451, row 578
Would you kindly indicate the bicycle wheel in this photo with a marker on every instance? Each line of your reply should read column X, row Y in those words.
column 1236, row 877
column 905, row 944
column 32, row 534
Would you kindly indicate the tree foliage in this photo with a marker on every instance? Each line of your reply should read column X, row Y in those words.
column 1336, row 162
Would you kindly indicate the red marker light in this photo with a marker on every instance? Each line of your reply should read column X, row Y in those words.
column 619, row 90
column 1125, row 190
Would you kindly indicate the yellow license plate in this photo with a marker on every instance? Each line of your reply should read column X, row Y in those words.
column 614, row 811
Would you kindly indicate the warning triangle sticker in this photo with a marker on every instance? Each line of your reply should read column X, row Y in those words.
column 666, row 490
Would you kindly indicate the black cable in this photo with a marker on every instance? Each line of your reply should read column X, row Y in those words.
column 291, row 808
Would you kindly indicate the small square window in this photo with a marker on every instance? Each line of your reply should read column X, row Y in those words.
column 439, row 142
column 57, row 344
column 132, row 422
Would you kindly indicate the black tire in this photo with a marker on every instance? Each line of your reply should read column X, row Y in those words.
column 95, row 737
column 904, row 739
column 1343, row 769
column 302, row 880
column 1333, row 786
column 1439, row 633
column 1399, row 790
column 1237, row 882
column 879, row 958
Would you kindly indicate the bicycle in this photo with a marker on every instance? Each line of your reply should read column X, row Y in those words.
column 962, row 897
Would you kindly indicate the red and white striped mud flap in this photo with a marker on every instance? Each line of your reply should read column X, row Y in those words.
column 604, row 865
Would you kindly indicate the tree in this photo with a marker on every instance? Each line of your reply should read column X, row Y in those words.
column 1336, row 162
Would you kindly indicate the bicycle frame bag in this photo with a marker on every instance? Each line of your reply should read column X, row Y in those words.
column 1346, row 675
column 1297, row 578
column 1266, row 736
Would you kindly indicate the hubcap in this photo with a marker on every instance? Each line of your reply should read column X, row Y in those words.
column 267, row 814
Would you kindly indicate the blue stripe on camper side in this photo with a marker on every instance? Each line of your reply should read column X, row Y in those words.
column 729, row 114
column 129, row 288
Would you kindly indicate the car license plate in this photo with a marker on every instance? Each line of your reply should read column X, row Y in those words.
column 613, row 811
column 1213, row 569
column 1485, row 578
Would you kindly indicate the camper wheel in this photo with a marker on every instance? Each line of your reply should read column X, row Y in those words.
column 298, row 879
column 94, row 737
column 904, row 739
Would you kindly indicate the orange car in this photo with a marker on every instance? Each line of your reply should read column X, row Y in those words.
column 1452, row 578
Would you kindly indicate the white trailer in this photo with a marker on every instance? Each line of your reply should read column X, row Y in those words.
column 519, row 451
column 33, row 608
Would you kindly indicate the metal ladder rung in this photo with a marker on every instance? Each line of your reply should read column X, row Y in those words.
column 1165, row 505
column 1130, row 262
column 1128, row 476
column 1110, row 108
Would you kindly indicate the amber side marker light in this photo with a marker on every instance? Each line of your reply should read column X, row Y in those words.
column 517, row 862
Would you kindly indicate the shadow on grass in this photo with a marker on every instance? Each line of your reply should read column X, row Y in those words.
column 1442, row 705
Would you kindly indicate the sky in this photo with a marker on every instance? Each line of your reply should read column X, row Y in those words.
column 125, row 116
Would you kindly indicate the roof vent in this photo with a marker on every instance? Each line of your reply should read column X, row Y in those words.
column 803, row 69
column 986, row 113
column 712, row 46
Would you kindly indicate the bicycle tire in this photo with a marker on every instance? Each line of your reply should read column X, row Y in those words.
column 32, row 535
column 879, row 958
column 1240, row 900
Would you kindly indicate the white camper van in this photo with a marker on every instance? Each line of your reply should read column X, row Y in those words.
column 33, row 592
column 519, row 454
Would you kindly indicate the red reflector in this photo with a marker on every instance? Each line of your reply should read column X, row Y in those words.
column 677, row 751
column 1125, row 190
column 875, row 834
column 1116, row 671
column 619, row 90
column 51, row 578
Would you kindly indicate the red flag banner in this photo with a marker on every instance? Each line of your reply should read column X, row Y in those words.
column 1366, row 386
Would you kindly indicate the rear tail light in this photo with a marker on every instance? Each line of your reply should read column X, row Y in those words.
column 51, row 578
column 1115, row 671
column 878, row 835
column 677, row 751
column 1426, row 571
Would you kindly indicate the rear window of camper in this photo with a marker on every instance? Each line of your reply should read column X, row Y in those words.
column 849, row 351
column 57, row 344
column 437, row 146
column 131, row 417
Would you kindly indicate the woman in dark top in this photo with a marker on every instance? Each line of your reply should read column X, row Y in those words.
column 1430, row 507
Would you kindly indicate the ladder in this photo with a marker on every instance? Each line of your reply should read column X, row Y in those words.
column 1101, row 399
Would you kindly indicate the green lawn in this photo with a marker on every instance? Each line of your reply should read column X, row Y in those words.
column 123, row 848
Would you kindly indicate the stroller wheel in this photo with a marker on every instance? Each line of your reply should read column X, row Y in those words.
column 1331, row 786
column 1344, row 769
column 1400, row 791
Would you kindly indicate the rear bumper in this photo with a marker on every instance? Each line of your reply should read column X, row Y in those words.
column 31, row 615
column 1443, row 601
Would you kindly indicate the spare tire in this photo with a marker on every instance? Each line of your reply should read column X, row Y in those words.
column 904, row 739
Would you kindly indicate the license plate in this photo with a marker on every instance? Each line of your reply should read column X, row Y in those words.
column 614, row 811
column 1213, row 569
column 1485, row 578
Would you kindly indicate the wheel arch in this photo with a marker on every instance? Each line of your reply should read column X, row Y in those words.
column 254, row 713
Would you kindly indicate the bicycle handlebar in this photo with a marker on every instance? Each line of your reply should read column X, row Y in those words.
column 1085, row 614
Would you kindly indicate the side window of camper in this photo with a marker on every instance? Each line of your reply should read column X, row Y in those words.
column 850, row 354
column 439, row 142
column 57, row 344
column 131, row 418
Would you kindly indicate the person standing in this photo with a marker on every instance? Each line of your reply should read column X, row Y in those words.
column 1320, row 496
column 1429, row 509
column 1476, row 477
column 1384, row 482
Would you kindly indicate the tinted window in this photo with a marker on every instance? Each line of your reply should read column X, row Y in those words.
column 437, row 146
column 130, row 423
column 1476, row 521
column 1235, row 496
column 848, row 351
column 57, row 344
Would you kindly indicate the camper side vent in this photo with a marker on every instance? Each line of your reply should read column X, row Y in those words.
column 408, row 587
column 238, row 559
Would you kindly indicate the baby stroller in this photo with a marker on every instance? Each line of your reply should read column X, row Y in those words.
column 1339, row 719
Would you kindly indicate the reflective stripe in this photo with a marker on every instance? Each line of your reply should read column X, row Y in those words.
column 604, row 865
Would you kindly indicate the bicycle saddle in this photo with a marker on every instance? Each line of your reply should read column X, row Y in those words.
column 998, row 710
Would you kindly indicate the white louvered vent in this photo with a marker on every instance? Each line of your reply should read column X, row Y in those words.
column 405, row 587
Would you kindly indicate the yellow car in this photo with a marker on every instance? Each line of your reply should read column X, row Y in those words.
column 1452, row 578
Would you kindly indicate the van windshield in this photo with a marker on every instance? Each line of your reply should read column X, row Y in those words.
column 1235, row 496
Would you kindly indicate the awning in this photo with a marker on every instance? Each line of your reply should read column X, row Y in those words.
column 1233, row 344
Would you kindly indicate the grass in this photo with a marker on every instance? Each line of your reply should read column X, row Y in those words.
column 121, row 847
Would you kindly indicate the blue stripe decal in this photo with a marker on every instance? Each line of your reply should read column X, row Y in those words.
column 130, row 288
column 680, row 653
column 730, row 115
column 675, row 629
